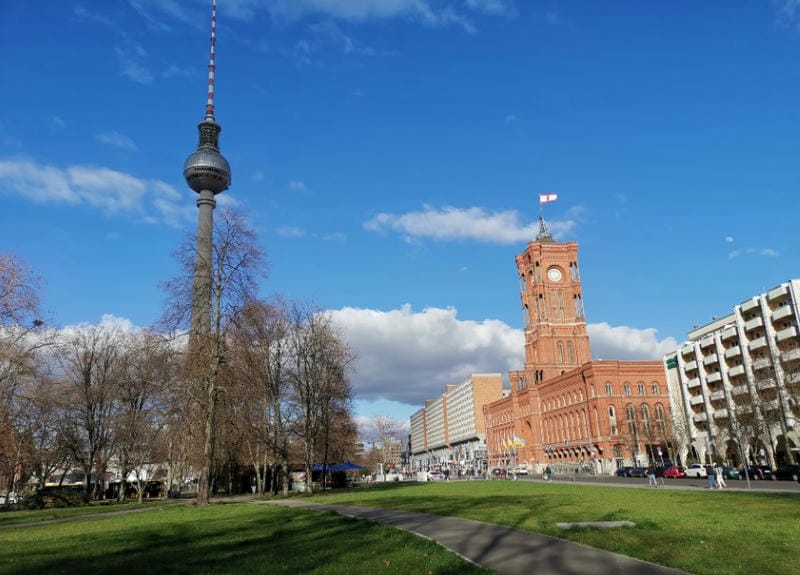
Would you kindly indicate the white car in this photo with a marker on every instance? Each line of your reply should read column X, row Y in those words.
column 522, row 469
column 696, row 470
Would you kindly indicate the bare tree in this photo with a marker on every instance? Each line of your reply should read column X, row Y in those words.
column 387, row 434
column 237, row 263
column 91, row 360
column 319, row 379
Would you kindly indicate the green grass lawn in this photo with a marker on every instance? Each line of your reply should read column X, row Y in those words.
column 236, row 538
column 703, row 532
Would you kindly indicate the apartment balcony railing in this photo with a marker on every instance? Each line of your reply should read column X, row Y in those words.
column 790, row 355
column 786, row 333
column 728, row 333
column 694, row 382
column 722, row 413
column 777, row 293
column 717, row 395
column 749, row 305
column 714, row 377
column 706, row 342
column 761, row 363
column 699, row 417
column 782, row 313
column 687, row 350
column 734, row 351
column 754, row 323
column 696, row 400
column 710, row 360
column 690, row 365
column 739, row 390
column 736, row 371
column 757, row 344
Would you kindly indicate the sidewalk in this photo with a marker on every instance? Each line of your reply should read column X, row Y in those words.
column 505, row 550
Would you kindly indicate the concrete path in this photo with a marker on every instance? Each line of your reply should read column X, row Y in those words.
column 505, row 550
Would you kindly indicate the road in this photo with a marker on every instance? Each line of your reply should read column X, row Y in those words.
column 686, row 483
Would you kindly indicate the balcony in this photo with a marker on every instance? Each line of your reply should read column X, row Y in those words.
column 761, row 364
column 793, row 377
column 707, row 342
column 768, row 406
column 782, row 313
column 696, row 400
column 765, row 384
column 754, row 323
column 722, row 414
column 728, row 333
column 690, row 365
column 716, row 396
column 736, row 371
column 786, row 333
column 694, row 382
column 699, row 417
column 757, row 344
column 778, row 293
column 687, row 350
column 739, row 390
column 749, row 305
column 710, row 360
column 790, row 355
column 714, row 377
column 734, row 351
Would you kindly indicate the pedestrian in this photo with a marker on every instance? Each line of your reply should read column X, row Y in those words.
column 548, row 475
column 711, row 474
column 651, row 476
column 720, row 477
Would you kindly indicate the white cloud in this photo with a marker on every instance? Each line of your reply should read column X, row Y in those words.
column 766, row 252
column 408, row 357
column 290, row 232
column 112, row 191
column 628, row 343
column 297, row 186
column 729, row 239
column 117, row 140
column 475, row 224
column 131, row 57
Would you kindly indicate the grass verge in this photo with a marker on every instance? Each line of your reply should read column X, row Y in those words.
column 236, row 538
column 703, row 532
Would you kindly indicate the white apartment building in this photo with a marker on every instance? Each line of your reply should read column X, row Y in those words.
column 735, row 383
column 450, row 431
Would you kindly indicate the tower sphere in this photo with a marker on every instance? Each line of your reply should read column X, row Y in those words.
column 207, row 169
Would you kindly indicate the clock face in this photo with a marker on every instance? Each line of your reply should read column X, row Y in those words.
column 554, row 274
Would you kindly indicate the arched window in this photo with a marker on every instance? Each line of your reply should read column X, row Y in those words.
column 560, row 352
column 570, row 352
column 662, row 427
column 609, row 391
column 612, row 420
column 654, row 388
column 646, row 418
column 631, row 413
column 627, row 389
column 640, row 387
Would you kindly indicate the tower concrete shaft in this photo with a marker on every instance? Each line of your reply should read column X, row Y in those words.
column 208, row 173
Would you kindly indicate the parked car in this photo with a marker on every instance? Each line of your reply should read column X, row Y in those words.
column 624, row 471
column 696, row 470
column 674, row 472
column 730, row 472
column 638, row 472
column 522, row 469
column 788, row 472
column 756, row 472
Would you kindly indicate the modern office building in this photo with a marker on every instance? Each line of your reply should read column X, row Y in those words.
column 450, row 431
column 735, row 383
column 565, row 410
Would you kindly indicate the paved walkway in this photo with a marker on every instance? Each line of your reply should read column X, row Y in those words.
column 505, row 550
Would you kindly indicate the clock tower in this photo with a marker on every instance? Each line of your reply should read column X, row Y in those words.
column 556, row 340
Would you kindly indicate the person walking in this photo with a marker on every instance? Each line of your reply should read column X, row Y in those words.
column 651, row 476
column 548, row 475
column 720, row 477
column 711, row 474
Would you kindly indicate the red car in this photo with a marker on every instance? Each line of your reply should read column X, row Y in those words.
column 674, row 472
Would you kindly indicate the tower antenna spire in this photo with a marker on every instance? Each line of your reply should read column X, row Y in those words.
column 211, row 63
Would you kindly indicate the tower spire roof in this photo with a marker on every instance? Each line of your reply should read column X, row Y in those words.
column 206, row 169
column 544, row 233
column 211, row 62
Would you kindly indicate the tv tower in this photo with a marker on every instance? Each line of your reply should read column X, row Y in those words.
column 208, row 173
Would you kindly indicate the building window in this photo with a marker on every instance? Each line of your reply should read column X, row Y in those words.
column 627, row 389
column 526, row 320
column 609, row 391
column 646, row 419
column 654, row 388
column 641, row 388
column 570, row 352
column 578, row 306
column 631, row 413
column 660, row 421
column 560, row 352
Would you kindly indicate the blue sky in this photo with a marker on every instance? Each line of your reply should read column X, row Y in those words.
column 390, row 154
